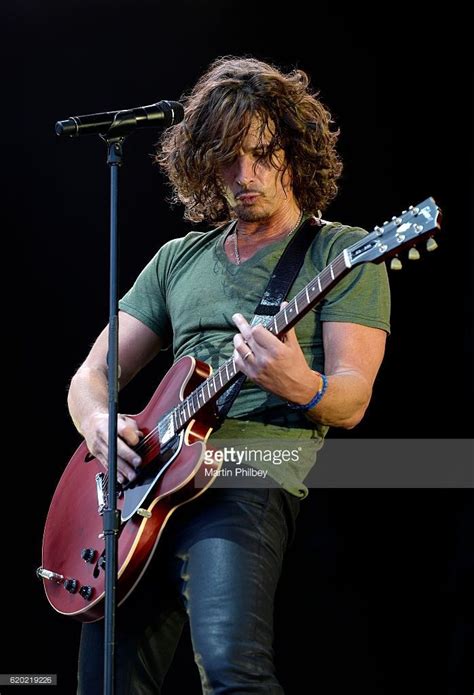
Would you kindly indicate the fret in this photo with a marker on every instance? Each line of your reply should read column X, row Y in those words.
column 296, row 303
column 332, row 273
column 277, row 324
column 319, row 284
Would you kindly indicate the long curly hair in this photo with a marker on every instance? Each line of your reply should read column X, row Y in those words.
column 218, row 112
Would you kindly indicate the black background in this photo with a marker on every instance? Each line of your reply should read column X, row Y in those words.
column 374, row 593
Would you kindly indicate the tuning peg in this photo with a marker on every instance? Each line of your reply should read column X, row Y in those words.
column 431, row 244
column 413, row 254
column 395, row 264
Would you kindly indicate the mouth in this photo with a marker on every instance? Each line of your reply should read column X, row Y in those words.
column 247, row 197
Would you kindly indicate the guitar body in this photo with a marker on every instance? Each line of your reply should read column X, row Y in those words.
column 74, row 524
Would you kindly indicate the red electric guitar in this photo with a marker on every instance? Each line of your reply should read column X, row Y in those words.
column 176, row 423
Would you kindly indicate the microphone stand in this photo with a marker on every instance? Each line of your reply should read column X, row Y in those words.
column 111, row 516
column 124, row 122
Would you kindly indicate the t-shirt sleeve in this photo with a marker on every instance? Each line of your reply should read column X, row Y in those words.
column 146, row 299
column 363, row 295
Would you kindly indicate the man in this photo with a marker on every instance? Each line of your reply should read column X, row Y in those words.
column 255, row 155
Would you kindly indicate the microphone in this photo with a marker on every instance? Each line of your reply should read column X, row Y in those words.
column 161, row 115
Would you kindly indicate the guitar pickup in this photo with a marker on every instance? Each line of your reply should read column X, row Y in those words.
column 99, row 484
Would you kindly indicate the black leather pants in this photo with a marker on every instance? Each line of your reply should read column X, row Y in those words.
column 217, row 565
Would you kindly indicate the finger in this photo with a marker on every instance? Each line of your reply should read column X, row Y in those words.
column 240, row 359
column 255, row 336
column 289, row 338
column 242, row 349
column 125, row 471
column 240, row 344
column 243, row 355
column 262, row 338
column 128, row 430
column 243, row 326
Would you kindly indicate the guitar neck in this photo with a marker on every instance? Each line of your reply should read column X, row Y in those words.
column 310, row 295
column 286, row 318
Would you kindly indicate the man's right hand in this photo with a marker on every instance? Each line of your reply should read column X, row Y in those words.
column 96, row 434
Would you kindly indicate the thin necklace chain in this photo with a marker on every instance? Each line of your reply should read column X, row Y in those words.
column 236, row 247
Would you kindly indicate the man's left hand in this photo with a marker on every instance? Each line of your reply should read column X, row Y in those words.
column 276, row 364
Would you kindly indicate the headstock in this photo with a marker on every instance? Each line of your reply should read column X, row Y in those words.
column 407, row 230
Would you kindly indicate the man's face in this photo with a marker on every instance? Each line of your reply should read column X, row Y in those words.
column 254, row 189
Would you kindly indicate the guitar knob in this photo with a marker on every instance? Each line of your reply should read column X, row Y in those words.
column 86, row 592
column 88, row 554
column 431, row 244
column 395, row 264
column 413, row 254
column 71, row 585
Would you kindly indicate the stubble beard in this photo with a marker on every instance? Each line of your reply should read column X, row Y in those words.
column 250, row 214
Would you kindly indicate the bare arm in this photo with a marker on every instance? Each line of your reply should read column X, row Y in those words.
column 88, row 392
column 353, row 355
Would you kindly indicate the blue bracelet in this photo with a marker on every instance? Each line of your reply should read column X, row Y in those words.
column 316, row 398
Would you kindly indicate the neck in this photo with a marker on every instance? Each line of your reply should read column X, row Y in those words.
column 256, row 240
column 279, row 225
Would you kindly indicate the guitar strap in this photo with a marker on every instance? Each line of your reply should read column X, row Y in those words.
column 281, row 280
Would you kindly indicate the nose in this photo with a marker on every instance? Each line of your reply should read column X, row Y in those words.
column 244, row 170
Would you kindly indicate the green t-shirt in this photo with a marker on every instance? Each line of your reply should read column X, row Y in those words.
column 188, row 293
